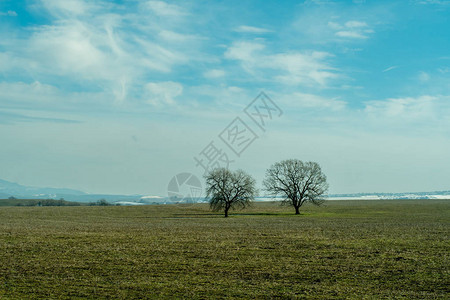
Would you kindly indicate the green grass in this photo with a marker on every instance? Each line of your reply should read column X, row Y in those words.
column 345, row 249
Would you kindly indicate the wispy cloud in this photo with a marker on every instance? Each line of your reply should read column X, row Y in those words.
column 243, row 50
column 214, row 73
column 164, row 9
column 436, row 2
column 312, row 102
column 251, row 29
column 411, row 108
column 158, row 93
column 351, row 29
column 355, row 24
column 423, row 76
column 102, row 45
column 9, row 13
column 307, row 68
column 176, row 37
column 350, row 34
column 390, row 68
column 23, row 94
column 68, row 8
column 12, row 118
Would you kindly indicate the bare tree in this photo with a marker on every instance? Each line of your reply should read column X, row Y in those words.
column 229, row 190
column 297, row 182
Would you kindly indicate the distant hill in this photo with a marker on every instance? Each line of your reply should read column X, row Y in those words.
column 4, row 196
column 11, row 189
column 8, row 189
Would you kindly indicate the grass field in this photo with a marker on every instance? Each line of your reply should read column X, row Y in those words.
column 345, row 249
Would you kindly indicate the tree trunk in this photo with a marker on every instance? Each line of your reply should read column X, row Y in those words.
column 297, row 210
column 226, row 212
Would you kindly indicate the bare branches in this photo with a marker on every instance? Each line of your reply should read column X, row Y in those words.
column 297, row 182
column 229, row 190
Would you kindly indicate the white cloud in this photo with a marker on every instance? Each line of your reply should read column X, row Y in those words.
column 215, row 73
column 437, row 2
column 351, row 29
column 335, row 26
column 172, row 36
column 423, row 76
column 9, row 13
column 310, row 101
column 68, row 7
column 71, row 47
column 418, row 108
column 102, row 46
column 164, row 9
column 303, row 68
column 243, row 50
column 8, row 62
column 355, row 24
column 20, row 92
column 154, row 56
column 351, row 34
column 251, row 29
column 219, row 101
column 38, row 96
column 390, row 68
column 307, row 68
column 158, row 93
column 235, row 89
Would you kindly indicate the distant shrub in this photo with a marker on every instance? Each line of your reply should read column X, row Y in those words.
column 101, row 202
column 47, row 202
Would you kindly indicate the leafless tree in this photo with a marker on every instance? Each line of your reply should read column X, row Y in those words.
column 297, row 182
column 229, row 190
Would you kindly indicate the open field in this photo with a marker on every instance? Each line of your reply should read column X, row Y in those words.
column 346, row 249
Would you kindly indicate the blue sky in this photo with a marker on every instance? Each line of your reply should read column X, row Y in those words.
column 120, row 96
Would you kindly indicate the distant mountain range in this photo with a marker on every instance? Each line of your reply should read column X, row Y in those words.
column 14, row 189
column 10, row 189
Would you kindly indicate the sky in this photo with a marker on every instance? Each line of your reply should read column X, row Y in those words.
column 119, row 97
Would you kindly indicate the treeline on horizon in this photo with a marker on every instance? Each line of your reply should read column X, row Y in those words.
column 12, row 201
